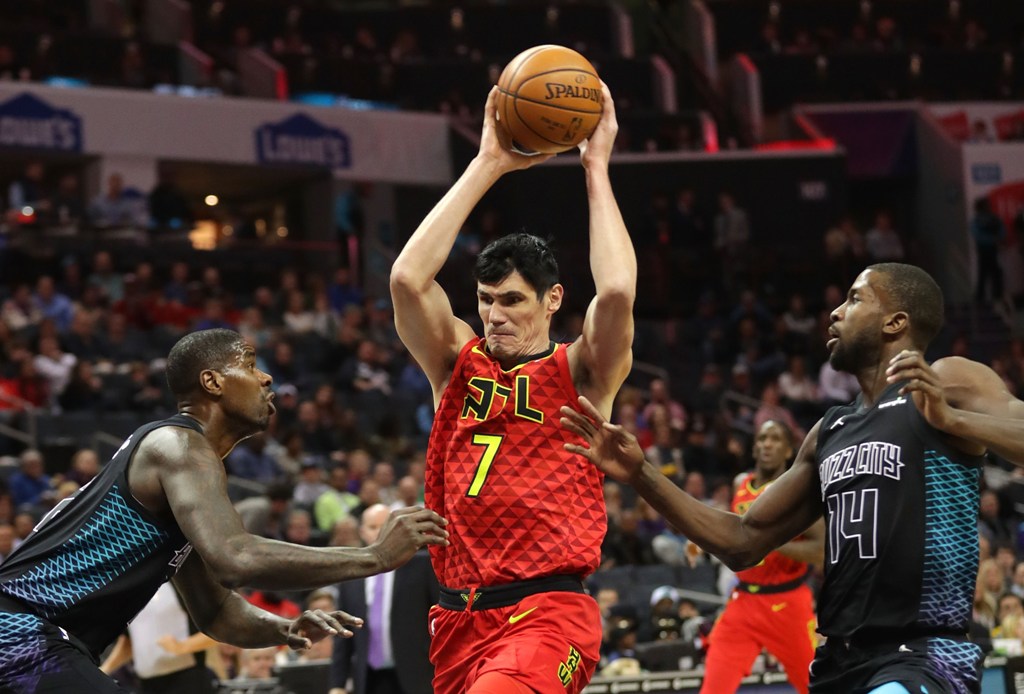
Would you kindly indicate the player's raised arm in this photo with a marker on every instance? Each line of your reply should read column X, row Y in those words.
column 606, row 343
column 194, row 481
column 423, row 314
column 964, row 398
column 788, row 507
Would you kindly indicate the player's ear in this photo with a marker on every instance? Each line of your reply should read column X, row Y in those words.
column 896, row 323
column 555, row 297
column 211, row 381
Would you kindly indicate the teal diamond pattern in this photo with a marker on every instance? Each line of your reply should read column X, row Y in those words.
column 951, row 542
column 956, row 662
column 113, row 540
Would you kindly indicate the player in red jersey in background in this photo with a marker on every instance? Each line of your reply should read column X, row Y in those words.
column 526, row 518
column 771, row 607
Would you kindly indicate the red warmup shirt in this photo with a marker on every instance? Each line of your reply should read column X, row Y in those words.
column 519, row 506
column 774, row 568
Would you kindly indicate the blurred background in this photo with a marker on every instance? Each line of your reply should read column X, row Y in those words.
column 171, row 165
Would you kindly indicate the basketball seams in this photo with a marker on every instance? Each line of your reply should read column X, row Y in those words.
column 520, row 119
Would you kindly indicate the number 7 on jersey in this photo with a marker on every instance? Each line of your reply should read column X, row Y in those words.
column 490, row 443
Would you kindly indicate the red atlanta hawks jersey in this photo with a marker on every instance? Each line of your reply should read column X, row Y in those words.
column 774, row 568
column 519, row 506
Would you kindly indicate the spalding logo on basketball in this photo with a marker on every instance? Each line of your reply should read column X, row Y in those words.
column 549, row 100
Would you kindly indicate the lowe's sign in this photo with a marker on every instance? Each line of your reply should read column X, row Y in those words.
column 302, row 140
column 27, row 121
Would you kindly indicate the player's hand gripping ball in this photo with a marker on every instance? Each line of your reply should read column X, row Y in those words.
column 549, row 100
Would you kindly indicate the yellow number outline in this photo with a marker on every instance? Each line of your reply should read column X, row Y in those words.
column 491, row 444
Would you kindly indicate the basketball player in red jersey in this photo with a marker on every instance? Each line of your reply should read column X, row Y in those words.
column 771, row 607
column 526, row 517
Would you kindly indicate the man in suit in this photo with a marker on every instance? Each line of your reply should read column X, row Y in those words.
column 389, row 654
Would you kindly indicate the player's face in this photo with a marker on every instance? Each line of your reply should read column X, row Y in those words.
column 516, row 323
column 246, row 392
column 771, row 447
column 855, row 335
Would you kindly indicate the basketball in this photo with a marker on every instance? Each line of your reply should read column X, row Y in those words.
column 549, row 100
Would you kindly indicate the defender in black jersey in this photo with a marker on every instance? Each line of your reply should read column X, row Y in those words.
column 895, row 475
column 159, row 510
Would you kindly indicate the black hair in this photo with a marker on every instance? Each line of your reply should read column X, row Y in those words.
column 914, row 291
column 527, row 254
column 197, row 352
column 790, row 436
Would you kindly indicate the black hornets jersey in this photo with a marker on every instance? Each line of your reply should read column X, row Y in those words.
column 901, row 506
column 96, row 559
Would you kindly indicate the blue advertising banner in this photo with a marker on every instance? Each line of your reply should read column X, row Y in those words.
column 26, row 121
column 300, row 139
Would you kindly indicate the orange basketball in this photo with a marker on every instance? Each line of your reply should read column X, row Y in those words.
column 549, row 100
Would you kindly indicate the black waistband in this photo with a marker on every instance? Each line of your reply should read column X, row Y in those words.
column 880, row 638
column 490, row 597
column 771, row 588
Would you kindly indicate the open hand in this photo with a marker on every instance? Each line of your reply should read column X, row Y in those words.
column 611, row 449
column 597, row 149
column 496, row 144
column 407, row 530
column 315, row 625
column 924, row 385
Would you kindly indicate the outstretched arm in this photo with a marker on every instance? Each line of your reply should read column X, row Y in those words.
column 194, row 483
column 228, row 617
column 965, row 399
column 423, row 314
column 788, row 507
column 605, row 346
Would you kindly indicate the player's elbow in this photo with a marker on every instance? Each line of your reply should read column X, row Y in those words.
column 738, row 561
column 235, row 566
column 406, row 280
column 617, row 293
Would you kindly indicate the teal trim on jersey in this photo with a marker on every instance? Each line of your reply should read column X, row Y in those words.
column 950, row 566
column 895, row 688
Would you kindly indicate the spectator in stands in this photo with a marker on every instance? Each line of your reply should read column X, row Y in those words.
column 67, row 206
column 117, row 207
column 84, row 389
column 283, row 366
column 732, row 235
column 624, row 544
column 664, row 623
column 297, row 318
column 883, row 243
column 258, row 663
column 11, row 68
column 408, row 492
column 55, row 366
column 85, row 465
column 318, row 436
column 384, row 476
column 146, row 393
column 992, row 523
column 52, row 304
column 7, row 537
column 887, row 36
column 27, row 197
column 659, row 396
column 30, row 485
column 343, row 292
column 176, row 289
column 768, row 42
column 311, row 482
column 253, row 329
column 987, row 591
column 168, row 208
column 836, row 387
column 335, row 503
column 20, row 312
column 250, row 460
column 1017, row 584
column 988, row 232
column 104, row 276
column 298, row 527
column 264, row 515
